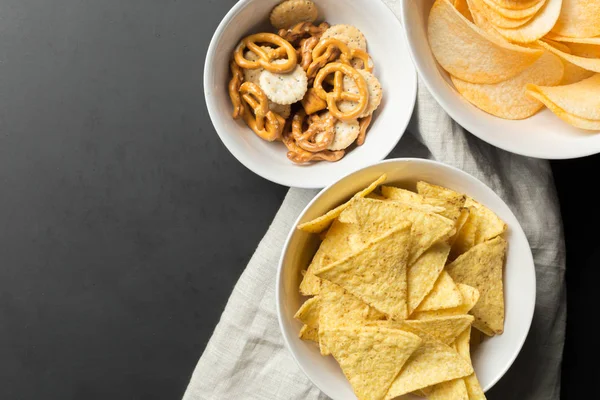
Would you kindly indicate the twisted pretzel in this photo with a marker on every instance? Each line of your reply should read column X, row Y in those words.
column 301, row 156
column 318, row 136
column 306, row 51
column 364, row 57
column 326, row 51
column 363, row 125
column 266, row 58
column 338, row 94
column 303, row 30
column 234, row 89
column 264, row 122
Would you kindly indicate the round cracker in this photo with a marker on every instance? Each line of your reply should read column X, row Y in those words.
column 374, row 89
column 348, row 34
column 283, row 110
column 284, row 88
column 346, row 133
column 292, row 12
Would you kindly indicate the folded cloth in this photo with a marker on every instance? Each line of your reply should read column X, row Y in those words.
column 246, row 357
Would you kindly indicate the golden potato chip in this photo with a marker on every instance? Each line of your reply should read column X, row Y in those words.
column 424, row 272
column 444, row 329
column 445, row 294
column 489, row 225
column 375, row 218
column 309, row 333
column 482, row 268
column 537, row 27
column 308, row 313
column 582, row 123
column 471, row 54
column 377, row 273
column 370, row 357
column 463, row 8
column 451, row 201
column 451, row 390
column 591, row 64
column 586, row 50
column 509, row 99
column 470, row 296
column 573, row 73
column 320, row 224
column 515, row 10
column 578, row 18
column 559, row 38
column 471, row 382
column 498, row 19
column 482, row 22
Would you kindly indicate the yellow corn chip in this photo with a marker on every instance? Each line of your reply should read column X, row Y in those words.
column 375, row 196
column 451, row 201
column 309, row 333
column 578, row 18
column 370, row 357
column 465, row 238
column 460, row 222
column 308, row 313
column 424, row 272
column 451, row 390
column 377, row 273
column 445, row 294
column 403, row 195
column 481, row 267
column 489, row 225
column 471, row 382
column 444, row 329
column 321, row 223
column 470, row 296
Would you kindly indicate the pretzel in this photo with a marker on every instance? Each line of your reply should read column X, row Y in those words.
column 303, row 30
column 326, row 51
column 338, row 94
column 264, row 122
column 301, row 156
column 364, row 57
column 266, row 58
column 363, row 125
column 234, row 89
column 306, row 50
column 318, row 136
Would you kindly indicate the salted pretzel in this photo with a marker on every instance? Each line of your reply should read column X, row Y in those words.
column 364, row 57
column 306, row 50
column 303, row 30
column 319, row 134
column 326, row 51
column 300, row 156
column 282, row 49
column 264, row 122
column 234, row 90
column 363, row 125
column 338, row 94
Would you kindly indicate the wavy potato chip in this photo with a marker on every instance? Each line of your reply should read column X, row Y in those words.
column 591, row 64
column 578, row 18
column 463, row 348
column 445, row 294
column 424, row 272
column 470, row 296
column 515, row 10
column 509, row 99
column 370, row 356
column 471, row 54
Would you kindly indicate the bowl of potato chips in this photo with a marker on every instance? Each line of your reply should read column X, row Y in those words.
column 523, row 75
column 302, row 92
column 406, row 278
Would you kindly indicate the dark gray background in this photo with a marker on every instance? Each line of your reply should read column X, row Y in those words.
column 124, row 223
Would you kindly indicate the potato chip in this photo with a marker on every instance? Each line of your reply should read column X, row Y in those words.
column 463, row 8
column 537, row 27
column 424, row 272
column 370, row 357
column 482, row 22
column 377, row 273
column 569, row 118
column 482, row 268
column 489, row 225
column 320, row 224
column 471, row 382
column 586, row 50
column 591, row 64
column 498, row 19
column 445, row 294
column 573, row 73
column 452, row 390
column 516, row 10
column 377, row 217
column 291, row 12
column 578, row 18
column 509, row 99
column 470, row 296
column 451, row 201
column 471, row 54
column 559, row 38
column 309, row 333
column 444, row 329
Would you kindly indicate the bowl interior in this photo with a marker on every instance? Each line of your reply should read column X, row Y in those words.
column 493, row 357
column 543, row 135
column 393, row 67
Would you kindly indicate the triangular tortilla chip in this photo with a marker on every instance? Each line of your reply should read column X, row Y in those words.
column 377, row 217
column 403, row 195
column 460, row 222
column 465, row 237
column 481, row 267
column 309, row 333
column 377, row 273
column 471, row 382
column 370, row 357
column 470, row 296
column 451, row 201
column 320, row 224
column 444, row 329
column 308, row 313
column 489, row 225
column 424, row 272
column 452, row 390
column 445, row 294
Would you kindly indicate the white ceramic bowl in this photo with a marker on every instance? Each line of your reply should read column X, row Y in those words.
column 493, row 357
column 543, row 135
column 393, row 67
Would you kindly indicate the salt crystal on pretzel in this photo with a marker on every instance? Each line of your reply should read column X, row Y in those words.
column 374, row 89
column 348, row 34
column 292, row 12
column 284, row 88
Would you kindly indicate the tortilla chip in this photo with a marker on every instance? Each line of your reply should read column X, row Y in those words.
column 370, row 357
column 320, row 224
column 308, row 313
column 444, row 329
column 451, row 390
column 445, row 294
column 375, row 196
column 465, row 238
column 375, row 218
column 377, row 273
column 309, row 333
column 471, row 382
column 489, row 225
column 578, row 18
column 470, row 53
column 424, row 272
column 537, row 27
column 591, row 64
column 482, row 267
column 403, row 195
column 470, row 296
column 460, row 222
column 451, row 201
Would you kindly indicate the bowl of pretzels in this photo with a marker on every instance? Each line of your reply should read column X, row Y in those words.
column 305, row 92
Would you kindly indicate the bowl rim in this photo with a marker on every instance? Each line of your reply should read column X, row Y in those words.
column 239, row 154
column 471, row 127
column 517, row 229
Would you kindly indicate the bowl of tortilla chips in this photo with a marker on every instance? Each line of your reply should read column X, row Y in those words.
column 406, row 278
